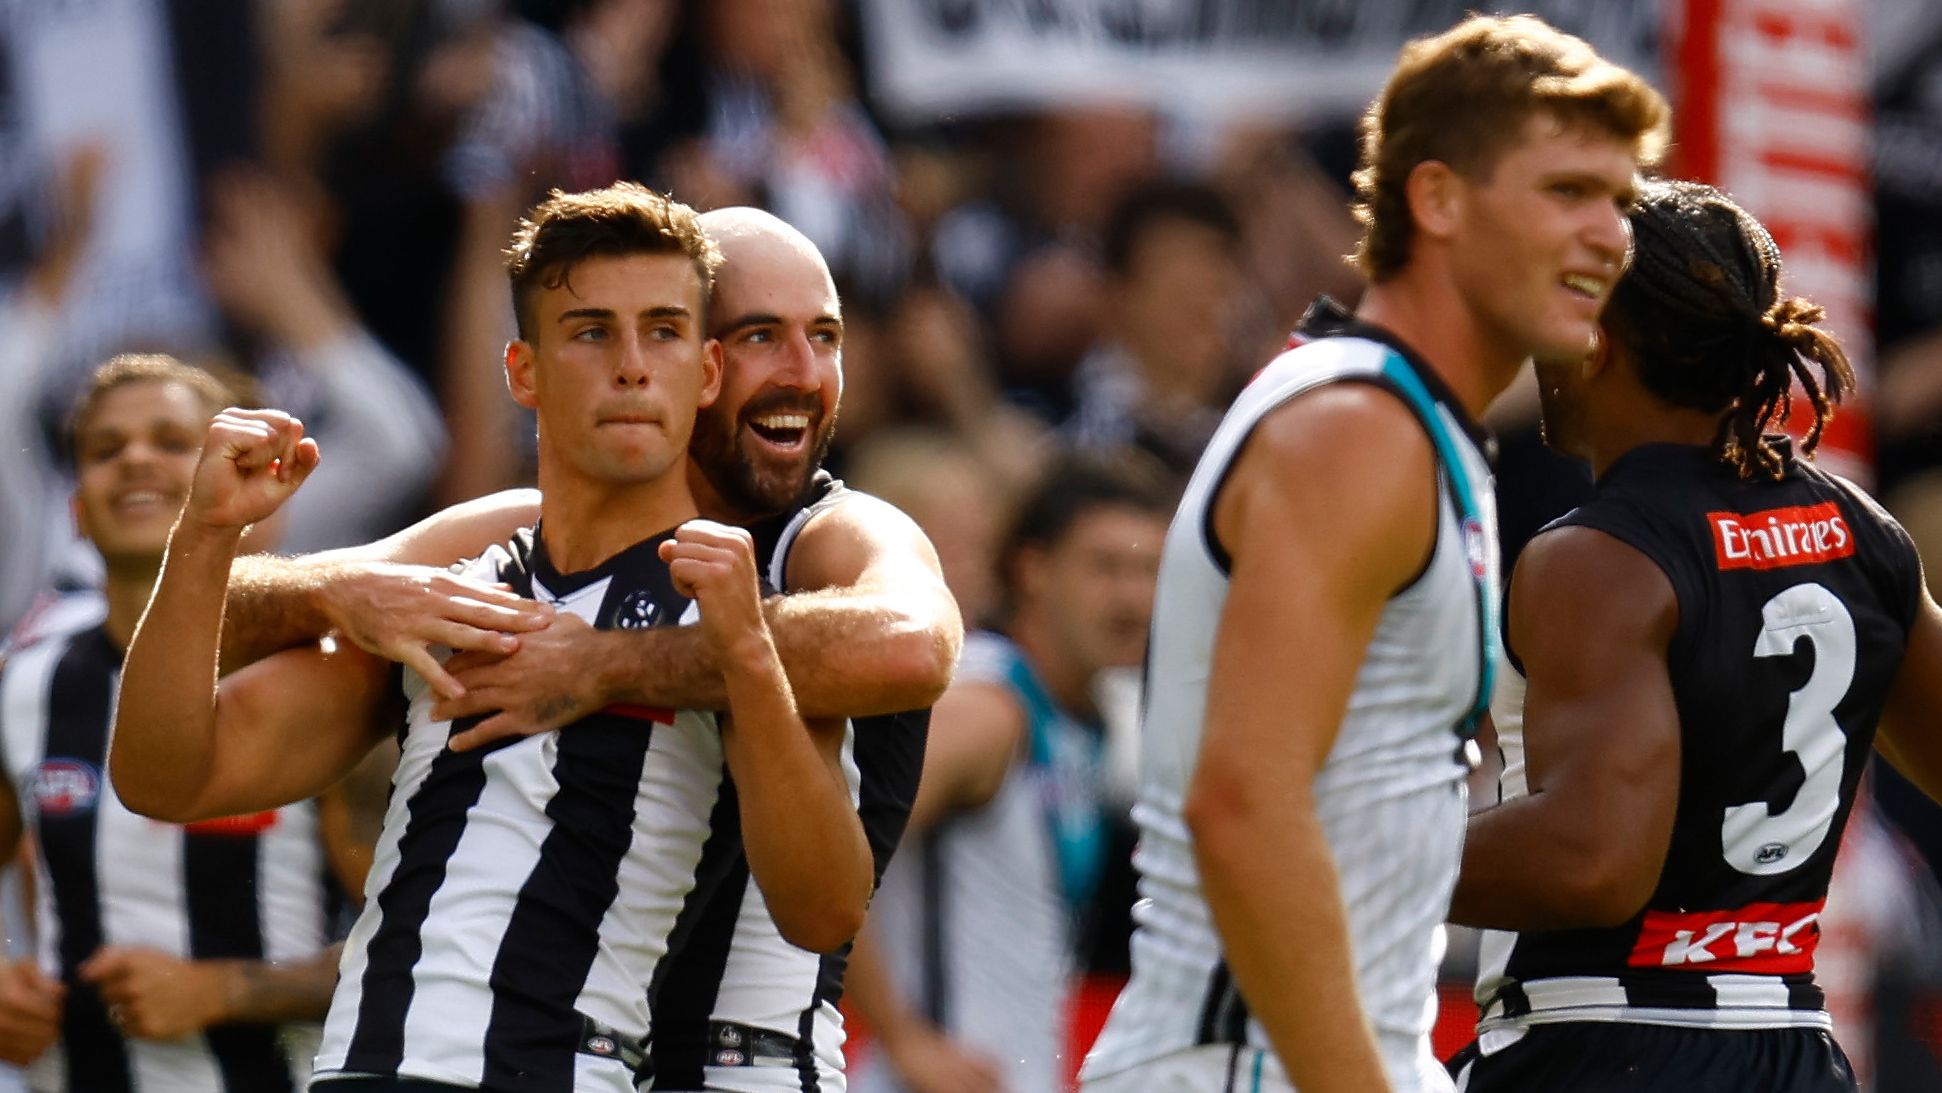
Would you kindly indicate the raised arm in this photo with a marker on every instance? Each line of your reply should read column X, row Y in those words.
column 869, row 628
column 1315, row 559
column 1601, row 741
column 279, row 731
column 805, row 844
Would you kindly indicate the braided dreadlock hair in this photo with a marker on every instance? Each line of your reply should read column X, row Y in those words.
column 1700, row 312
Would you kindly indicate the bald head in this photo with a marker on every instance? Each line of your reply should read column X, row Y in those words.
column 775, row 312
column 757, row 245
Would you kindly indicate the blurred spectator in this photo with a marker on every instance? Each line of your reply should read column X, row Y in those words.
column 384, row 434
column 106, row 75
column 1163, row 371
column 1027, row 255
column 34, row 531
column 268, row 274
column 779, row 125
column 1907, row 171
column 938, row 481
column 964, row 970
column 1296, row 233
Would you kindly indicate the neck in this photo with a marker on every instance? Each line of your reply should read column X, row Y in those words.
column 127, row 587
column 710, row 503
column 1068, row 681
column 1426, row 314
column 1656, row 425
column 586, row 522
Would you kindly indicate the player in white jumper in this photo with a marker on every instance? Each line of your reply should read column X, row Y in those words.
column 1325, row 619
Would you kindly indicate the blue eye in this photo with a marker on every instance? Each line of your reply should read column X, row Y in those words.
column 590, row 334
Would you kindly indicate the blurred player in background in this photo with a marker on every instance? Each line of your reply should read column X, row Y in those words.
column 170, row 957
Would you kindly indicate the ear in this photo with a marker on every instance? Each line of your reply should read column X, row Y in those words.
column 1436, row 194
column 711, row 373
column 520, row 366
column 1603, row 354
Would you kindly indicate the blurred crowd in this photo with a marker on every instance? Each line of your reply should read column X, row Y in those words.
column 317, row 193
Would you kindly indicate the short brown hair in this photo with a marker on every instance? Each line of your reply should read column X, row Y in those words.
column 1463, row 96
column 216, row 391
column 624, row 218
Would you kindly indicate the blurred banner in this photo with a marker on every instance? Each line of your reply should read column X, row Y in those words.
column 1772, row 106
column 1255, row 59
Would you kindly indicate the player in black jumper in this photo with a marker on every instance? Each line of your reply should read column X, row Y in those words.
column 1709, row 645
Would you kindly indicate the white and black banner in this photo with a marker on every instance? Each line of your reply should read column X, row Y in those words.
column 1270, row 59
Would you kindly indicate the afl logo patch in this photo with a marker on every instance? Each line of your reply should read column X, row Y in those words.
column 62, row 787
column 1477, row 547
column 637, row 612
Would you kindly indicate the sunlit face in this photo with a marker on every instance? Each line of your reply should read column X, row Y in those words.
column 781, row 330
column 1095, row 584
column 135, row 457
column 616, row 367
column 1542, row 239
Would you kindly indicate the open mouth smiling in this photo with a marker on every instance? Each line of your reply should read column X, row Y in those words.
column 787, row 430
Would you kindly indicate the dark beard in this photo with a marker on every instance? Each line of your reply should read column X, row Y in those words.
column 737, row 479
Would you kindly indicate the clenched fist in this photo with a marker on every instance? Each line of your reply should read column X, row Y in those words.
column 714, row 565
column 252, row 461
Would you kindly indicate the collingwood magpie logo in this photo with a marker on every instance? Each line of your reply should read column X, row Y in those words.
column 637, row 612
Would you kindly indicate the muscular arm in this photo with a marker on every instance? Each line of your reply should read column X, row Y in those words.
column 1304, row 599
column 805, row 844
column 278, row 731
column 869, row 628
column 278, row 603
column 1592, row 618
column 281, row 730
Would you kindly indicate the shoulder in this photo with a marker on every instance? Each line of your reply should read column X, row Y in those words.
column 854, row 533
column 1574, row 581
column 1352, row 455
column 1342, row 416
